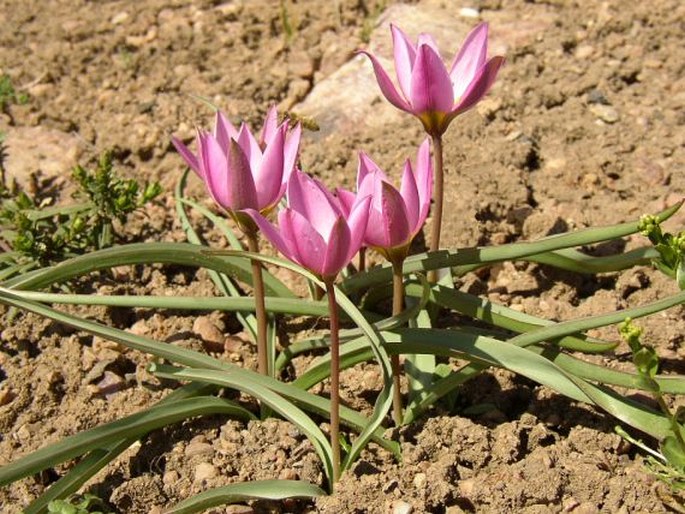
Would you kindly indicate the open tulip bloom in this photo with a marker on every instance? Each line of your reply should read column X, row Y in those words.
column 241, row 172
column 427, row 89
column 315, row 231
column 395, row 216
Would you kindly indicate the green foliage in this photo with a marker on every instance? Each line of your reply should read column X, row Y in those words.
column 669, row 465
column 8, row 95
column 78, row 504
column 46, row 235
column 671, row 248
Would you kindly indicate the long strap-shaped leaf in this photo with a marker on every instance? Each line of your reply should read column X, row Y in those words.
column 553, row 332
column 257, row 490
column 483, row 350
column 131, row 426
column 97, row 459
column 296, row 306
column 194, row 359
column 481, row 255
column 183, row 254
column 373, row 336
column 278, row 403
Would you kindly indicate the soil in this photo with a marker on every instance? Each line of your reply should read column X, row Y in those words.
column 584, row 127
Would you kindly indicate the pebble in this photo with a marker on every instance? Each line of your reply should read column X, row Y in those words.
column 401, row 507
column 212, row 338
column 204, row 471
column 119, row 18
column 111, row 384
column 171, row 477
column 420, row 480
column 606, row 113
column 6, row 396
column 469, row 12
column 197, row 448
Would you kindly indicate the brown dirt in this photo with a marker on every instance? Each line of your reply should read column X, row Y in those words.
column 584, row 127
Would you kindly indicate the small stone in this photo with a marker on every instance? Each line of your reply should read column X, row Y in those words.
column 111, row 384
column 212, row 338
column 233, row 344
column 6, row 396
column 584, row 51
column 586, row 508
column 467, row 487
column 119, row 18
column 204, row 471
column 606, row 113
column 288, row 474
column 469, row 12
column 196, row 448
column 401, row 507
column 420, row 480
column 171, row 477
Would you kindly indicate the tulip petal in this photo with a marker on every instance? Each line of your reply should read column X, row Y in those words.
column 215, row 170
column 479, row 87
column 250, row 147
column 404, row 52
column 187, row 155
column 313, row 201
column 346, row 198
column 271, row 233
column 365, row 167
column 388, row 226
column 410, row 196
column 431, row 88
column 307, row 244
column 387, row 87
column 427, row 39
column 424, row 180
column 337, row 249
column 224, row 130
column 242, row 191
column 469, row 60
column 358, row 221
column 268, row 178
column 270, row 126
column 292, row 148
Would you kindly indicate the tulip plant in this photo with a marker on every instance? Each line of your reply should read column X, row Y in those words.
column 259, row 188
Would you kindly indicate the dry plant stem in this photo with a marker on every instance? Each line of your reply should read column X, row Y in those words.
column 335, row 378
column 437, row 207
column 397, row 306
column 260, row 307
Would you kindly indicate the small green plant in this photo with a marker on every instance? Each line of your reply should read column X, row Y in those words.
column 78, row 504
column 671, row 248
column 43, row 235
column 8, row 95
column 667, row 464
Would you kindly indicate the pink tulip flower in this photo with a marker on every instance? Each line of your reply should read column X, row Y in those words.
column 428, row 90
column 395, row 217
column 240, row 172
column 314, row 230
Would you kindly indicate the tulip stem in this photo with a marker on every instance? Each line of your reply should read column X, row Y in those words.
column 335, row 378
column 260, row 307
column 437, row 208
column 397, row 306
column 362, row 259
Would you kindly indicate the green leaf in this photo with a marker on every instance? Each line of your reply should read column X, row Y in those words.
column 129, row 427
column 675, row 454
column 284, row 407
column 257, row 490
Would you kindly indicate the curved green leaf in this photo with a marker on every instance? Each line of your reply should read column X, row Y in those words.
column 133, row 426
column 257, row 490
